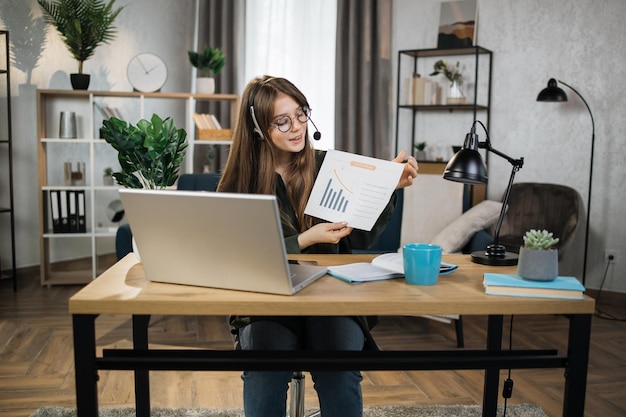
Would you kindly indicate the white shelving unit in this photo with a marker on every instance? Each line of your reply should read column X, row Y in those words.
column 93, row 246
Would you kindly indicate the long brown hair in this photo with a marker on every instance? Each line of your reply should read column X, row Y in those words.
column 251, row 165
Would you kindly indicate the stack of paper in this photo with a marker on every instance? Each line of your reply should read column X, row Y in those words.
column 516, row 286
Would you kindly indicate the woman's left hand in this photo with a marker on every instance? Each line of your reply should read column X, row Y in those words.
column 410, row 170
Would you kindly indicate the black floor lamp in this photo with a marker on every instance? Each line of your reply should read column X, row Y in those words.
column 552, row 93
column 467, row 166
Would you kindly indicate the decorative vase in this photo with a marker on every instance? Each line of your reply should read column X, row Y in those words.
column 205, row 85
column 107, row 180
column 538, row 265
column 80, row 81
column 420, row 155
column 455, row 94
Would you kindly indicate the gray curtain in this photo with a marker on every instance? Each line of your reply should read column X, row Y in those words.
column 221, row 25
column 363, row 77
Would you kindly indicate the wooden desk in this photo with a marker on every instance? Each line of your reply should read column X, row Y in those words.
column 123, row 289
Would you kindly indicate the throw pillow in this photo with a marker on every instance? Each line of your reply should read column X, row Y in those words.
column 456, row 235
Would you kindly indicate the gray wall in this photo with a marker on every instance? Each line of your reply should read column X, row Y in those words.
column 581, row 42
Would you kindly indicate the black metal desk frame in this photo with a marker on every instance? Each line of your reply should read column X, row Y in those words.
column 492, row 359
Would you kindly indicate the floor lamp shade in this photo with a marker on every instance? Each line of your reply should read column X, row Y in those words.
column 552, row 93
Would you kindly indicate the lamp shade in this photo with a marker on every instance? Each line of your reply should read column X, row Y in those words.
column 467, row 165
column 552, row 92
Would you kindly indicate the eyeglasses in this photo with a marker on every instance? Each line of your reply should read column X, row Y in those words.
column 284, row 123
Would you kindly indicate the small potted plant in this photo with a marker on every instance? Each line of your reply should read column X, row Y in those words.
column 538, row 259
column 150, row 153
column 209, row 62
column 107, row 177
column 420, row 153
column 83, row 25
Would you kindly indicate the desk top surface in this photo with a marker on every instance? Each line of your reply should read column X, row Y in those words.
column 123, row 289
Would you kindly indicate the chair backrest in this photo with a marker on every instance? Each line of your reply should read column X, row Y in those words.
column 553, row 207
column 198, row 182
column 389, row 239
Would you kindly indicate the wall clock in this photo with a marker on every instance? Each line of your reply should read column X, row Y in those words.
column 146, row 72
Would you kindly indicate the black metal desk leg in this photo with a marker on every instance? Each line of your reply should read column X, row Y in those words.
column 578, row 361
column 492, row 375
column 142, row 377
column 84, row 333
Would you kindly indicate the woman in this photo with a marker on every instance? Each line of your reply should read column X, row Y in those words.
column 271, row 154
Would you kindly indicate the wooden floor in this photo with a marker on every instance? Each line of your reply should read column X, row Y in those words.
column 37, row 369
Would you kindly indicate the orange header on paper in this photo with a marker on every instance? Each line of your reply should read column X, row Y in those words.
column 362, row 165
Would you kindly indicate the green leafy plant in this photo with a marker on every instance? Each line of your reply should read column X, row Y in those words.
column 451, row 73
column 420, row 146
column 150, row 154
column 83, row 24
column 108, row 171
column 209, row 62
column 539, row 239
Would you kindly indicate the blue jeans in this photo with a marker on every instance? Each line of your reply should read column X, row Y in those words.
column 265, row 393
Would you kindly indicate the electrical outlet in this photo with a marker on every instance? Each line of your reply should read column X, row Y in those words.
column 610, row 253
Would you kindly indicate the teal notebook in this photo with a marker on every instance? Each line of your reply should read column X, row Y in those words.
column 516, row 286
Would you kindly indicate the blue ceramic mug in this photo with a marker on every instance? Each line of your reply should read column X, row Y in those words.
column 421, row 263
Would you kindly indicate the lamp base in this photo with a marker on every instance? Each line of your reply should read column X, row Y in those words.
column 495, row 255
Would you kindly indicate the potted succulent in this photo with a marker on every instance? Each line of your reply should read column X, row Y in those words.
column 538, row 259
column 83, row 25
column 150, row 154
column 420, row 153
column 209, row 62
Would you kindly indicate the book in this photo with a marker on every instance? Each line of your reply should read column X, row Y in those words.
column 382, row 267
column 516, row 286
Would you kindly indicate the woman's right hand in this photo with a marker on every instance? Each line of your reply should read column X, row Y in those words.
column 324, row 233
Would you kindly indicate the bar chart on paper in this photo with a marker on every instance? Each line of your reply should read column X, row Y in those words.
column 352, row 188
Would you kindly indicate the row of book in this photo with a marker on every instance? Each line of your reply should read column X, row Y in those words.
column 206, row 121
column 516, row 286
column 422, row 91
column 68, row 211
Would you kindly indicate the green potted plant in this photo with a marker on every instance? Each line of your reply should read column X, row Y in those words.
column 209, row 62
column 420, row 153
column 83, row 25
column 538, row 259
column 150, row 154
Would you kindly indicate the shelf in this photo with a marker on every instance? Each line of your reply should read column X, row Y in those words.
column 426, row 53
column 6, row 170
column 441, row 107
column 97, row 154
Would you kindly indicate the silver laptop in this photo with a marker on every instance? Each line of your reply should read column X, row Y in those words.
column 210, row 239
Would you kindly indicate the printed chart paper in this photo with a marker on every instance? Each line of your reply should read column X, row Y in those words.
column 353, row 188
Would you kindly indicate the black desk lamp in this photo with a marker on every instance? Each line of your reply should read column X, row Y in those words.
column 467, row 166
column 552, row 93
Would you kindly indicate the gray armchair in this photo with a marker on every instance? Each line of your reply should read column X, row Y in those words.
column 553, row 207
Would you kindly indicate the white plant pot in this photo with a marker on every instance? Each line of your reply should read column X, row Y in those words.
column 205, row 85
column 538, row 265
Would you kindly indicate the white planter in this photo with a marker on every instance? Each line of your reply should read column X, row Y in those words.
column 538, row 265
column 205, row 85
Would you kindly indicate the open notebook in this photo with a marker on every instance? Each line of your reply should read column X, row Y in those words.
column 220, row 240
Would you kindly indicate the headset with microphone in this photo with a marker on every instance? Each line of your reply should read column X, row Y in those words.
column 258, row 133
